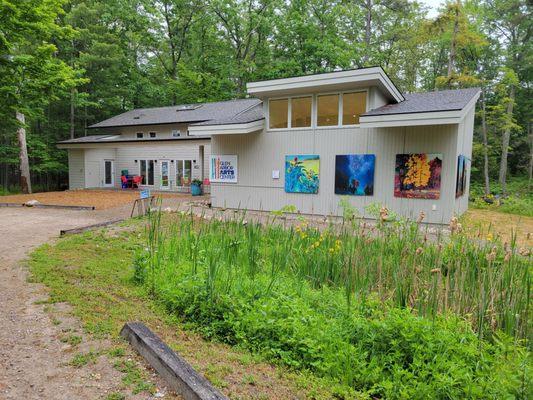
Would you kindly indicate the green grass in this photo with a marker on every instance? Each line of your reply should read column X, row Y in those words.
column 93, row 272
column 383, row 311
column 519, row 200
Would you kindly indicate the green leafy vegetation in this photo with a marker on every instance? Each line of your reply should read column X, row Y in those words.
column 518, row 201
column 93, row 273
column 67, row 64
column 385, row 311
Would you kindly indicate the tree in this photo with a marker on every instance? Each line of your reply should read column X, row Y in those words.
column 30, row 74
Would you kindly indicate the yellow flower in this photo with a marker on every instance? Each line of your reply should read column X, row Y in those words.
column 490, row 237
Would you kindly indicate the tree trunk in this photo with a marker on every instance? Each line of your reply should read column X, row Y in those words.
column 505, row 143
column 72, row 112
column 453, row 45
column 530, row 137
column 368, row 30
column 485, row 144
column 25, row 180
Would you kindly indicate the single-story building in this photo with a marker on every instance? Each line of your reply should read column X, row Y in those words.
column 153, row 143
column 311, row 141
column 345, row 135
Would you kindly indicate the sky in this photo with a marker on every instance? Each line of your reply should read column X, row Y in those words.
column 434, row 5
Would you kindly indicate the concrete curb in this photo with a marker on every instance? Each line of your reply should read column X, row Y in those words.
column 180, row 376
column 64, row 232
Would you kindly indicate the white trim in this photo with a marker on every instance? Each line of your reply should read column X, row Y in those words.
column 226, row 129
column 414, row 119
column 316, row 82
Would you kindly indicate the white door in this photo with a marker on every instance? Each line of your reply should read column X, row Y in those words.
column 165, row 175
column 109, row 173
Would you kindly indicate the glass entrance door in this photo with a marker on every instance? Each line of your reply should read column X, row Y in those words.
column 109, row 173
column 183, row 173
column 165, row 175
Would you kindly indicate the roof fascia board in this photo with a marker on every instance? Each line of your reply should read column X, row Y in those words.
column 412, row 119
column 95, row 126
column 227, row 129
column 320, row 80
column 76, row 145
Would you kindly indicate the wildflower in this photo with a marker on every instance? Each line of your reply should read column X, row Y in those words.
column 421, row 217
column 492, row 255
column 507, row 256
column 524, row 252
column 383, row 214
column 455, row 225
column 490, row 237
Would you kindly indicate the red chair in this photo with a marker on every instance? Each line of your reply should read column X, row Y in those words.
column 124, row 181
column 137, row 180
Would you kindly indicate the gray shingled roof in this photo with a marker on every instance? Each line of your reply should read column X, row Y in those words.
column 443, row 100
column 254, row 113
column 177, row 114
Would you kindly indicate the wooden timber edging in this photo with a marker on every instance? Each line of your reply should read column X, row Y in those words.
column 57, row 206
column 180, row 376
column 11, row 205
column 81, row 229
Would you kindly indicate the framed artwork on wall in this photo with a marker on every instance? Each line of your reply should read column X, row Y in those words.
column 418, row 176
column 302, row 173
column 460, row 184
column 354, row 174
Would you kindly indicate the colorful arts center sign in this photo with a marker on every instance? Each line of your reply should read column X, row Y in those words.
column 223, row 169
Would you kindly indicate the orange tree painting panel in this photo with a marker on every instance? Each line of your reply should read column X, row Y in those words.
column 418, row 176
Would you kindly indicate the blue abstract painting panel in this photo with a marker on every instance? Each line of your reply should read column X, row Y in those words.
column 302, row 173
column 354, row 174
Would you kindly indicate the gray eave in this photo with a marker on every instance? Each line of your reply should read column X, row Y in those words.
column 173, row 114
column 443, row 100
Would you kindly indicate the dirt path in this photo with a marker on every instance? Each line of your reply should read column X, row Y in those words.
column 34, row 354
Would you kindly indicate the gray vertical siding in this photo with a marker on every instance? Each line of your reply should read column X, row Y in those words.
column 76, row 169
column 260, row 153
column 86, row 164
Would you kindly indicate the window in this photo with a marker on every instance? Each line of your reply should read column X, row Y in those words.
column 353, row 105
column 183, row 172
column 140, row 135
column 147, row 172
column 278, row 113
column 152, row 134
column 301, row 112
column 328, row 110
column 176, row 133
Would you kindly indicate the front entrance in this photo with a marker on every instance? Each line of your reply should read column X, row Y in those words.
column 183, row 174
column 109, row 173
column 165, row 175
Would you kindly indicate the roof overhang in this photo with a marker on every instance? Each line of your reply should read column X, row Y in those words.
column 416, row 119
column 328, row 81
column 227, row 129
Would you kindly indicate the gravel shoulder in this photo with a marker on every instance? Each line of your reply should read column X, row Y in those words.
column 38, row 341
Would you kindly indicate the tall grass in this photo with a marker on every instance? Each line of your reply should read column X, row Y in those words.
column 323, row 297
column 486, row 282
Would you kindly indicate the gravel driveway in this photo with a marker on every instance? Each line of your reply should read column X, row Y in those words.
column 33, row 359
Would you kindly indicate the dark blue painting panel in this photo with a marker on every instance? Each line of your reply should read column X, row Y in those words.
column 354, row 174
